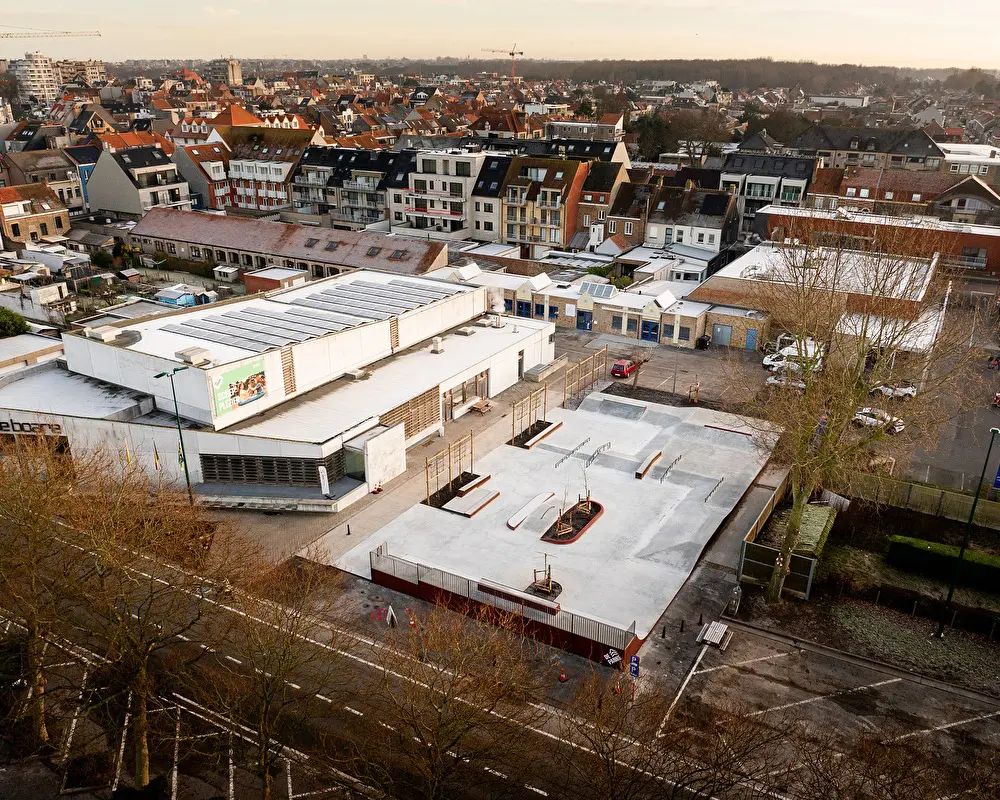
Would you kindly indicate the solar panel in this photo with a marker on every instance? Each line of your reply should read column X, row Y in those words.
column 223, row 327
column 435, row 290
column 270, row 327
column 217, row 338
column 316, row 328
column 598, row 290
column 399, row 306
column 384, row 290
column 359, row 316
column 347, row 305
column 341, row 320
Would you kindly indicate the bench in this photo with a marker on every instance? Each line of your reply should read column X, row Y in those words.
column 483, row 406
column 647, row 465
column 472, row 503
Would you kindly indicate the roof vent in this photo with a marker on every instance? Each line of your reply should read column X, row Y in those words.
column 437, row 345
column 357, row 374
column 103, row 333
column 466, row 331
column 195, row 356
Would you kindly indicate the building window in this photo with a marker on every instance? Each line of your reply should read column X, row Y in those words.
column 851, row 191
column 600, row 216
column 487, row 226
column 539, row 309
column 58, row 223
column 429, row 167
column 954, row 167
column 684, row 334
column 553, row 312
column 916, row 197
column 247, row 260
column 508, row 305
column 888, row 195
column 398, row 216
column 477, row 205
column 463, row 169
column 488, row 208
column 15, row 230
column 612, row 226
column 632, row 325
column 864, row 193
column 45, row 229
column 711, row 238
column 680, row 236
column 477, row 224
column 668, row 331
column 172, row 248
column 195, row 252
column 616, row 322
column 701, row 238
column 628, row 228
column 586, row 220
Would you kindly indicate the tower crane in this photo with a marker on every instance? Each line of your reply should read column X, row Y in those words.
column 32, row 33
column 513, row 53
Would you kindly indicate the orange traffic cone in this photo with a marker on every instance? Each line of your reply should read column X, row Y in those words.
column 413, row 621
column 562, row 675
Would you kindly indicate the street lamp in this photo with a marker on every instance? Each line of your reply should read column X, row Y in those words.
column 180, row 433
column 965, row 539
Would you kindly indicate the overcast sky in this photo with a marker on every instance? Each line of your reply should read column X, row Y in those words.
column 897, row 32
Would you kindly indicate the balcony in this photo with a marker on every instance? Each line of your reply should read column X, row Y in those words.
column 434, row 212
column 362, row 184
column 557, row 203
column 184, row 199
column 521, row 200
column 432, row 193
column 963, row 262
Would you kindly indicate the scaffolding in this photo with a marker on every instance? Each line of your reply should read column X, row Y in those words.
column 580, row 377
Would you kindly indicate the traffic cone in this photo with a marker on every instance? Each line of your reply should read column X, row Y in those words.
column 562, row 675
column 413, row 621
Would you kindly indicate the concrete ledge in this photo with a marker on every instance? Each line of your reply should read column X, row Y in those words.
column 539, row 436
column 472, row 503
column 543, row 371
column 515, row 521
column 647, row 465
column 475, row 483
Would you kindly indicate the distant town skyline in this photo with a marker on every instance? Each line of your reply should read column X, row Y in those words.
column 903, row 33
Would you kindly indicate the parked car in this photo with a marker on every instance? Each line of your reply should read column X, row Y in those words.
column 901, row 392
column 795, row 356
column 783, row 380
column 877, row 418
column 623, row 368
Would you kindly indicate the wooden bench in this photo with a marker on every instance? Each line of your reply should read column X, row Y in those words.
column 483, row 406
column 647, row 465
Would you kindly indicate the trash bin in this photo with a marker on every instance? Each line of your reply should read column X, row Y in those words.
column 702, row 343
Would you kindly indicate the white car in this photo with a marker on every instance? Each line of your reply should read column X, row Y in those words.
column 784, row 381
column 900, row 392
column 780, row 363
column 877, row 418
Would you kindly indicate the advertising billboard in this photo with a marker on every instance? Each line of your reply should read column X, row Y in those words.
column 239, row 386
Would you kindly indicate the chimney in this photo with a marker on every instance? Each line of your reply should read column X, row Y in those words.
column 437, row 345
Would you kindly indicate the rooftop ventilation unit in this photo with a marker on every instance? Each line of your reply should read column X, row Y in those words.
column 357, row 374
column 466, row 331
column 437, row 345
column 195, row 356
column 103, row 333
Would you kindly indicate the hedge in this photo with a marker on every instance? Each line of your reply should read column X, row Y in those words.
column 937, row 560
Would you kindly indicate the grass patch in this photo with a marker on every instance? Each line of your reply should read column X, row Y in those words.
column 939, row 560
column 817, row 522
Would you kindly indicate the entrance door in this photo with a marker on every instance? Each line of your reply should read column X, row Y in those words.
column 650, row 331
column 752, row 339
column 523, row 308
column 520, row 365
column 584, row 320
column 722, row 335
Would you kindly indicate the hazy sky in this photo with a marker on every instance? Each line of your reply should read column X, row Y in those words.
column 899, row 32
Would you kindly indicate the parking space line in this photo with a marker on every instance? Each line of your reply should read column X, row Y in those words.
column 536, row 789
column 354, row 711
column 946, row 726
column 827, row 696
column 746, row 663
column 680, row 691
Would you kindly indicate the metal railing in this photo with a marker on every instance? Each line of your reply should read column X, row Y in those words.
column 416, row 574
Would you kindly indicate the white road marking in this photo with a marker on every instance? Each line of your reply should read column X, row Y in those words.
column 386, row 725
column 745, row 663
column 495, row 772
column 234, row 660
column 293, row 685
column 324, row 698
column 535, row 789
column 183, row 638
column 947, row 726
column 354, row 711
column 827, row 696
column 680, row 692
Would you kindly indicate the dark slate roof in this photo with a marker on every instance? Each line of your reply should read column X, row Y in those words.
column 399, row 176
column 701, row 177
column 343, row 160
column 492, row 175
column 601, row 177
column 698, row 208
column 83, row 154
column 897, row 141
column 772, row 165
column 140, row 157
column 761, row 140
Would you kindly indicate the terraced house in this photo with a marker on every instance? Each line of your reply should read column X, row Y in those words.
column 540, row 201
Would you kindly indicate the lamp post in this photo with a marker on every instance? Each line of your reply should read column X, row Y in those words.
column 965, row 539
column 180, row 433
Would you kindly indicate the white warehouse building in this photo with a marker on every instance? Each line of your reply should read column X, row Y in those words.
column 303, row 398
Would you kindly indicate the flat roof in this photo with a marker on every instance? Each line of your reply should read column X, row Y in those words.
column 236, row 330
column 628, row 566
column 849, row 270
column 26, row 343
column 56, row 391
column 845, row 215
column 277, row 273
column 343, row 404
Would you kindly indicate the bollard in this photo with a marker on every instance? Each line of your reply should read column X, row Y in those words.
column 663, row 632
column 682, row 626
column 348, row 528
column 701, row 619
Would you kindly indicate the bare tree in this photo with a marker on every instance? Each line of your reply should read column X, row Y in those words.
column 867, row 327
column 627, row 743
column 640, row 356
column 459, row 696
column 35, row 482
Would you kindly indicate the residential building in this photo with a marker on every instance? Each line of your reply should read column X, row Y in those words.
column 494, row 123
column 131, row 182
column 970, row 201
column 487, row 208
column 982, row 160
column 29, row 213
column 540, row 201
column 706, row 219
column 758, row 180
column 880, row 148
column 206, row 169
column 37, row 78
column 250, row 244
column 225, row 70
column 89, row 71
column 261, row 164
column 437, row 202
column 604, row 178
column 877, row 191
column 608, row 128
column 53, row 167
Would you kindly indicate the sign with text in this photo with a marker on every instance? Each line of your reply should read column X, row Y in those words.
column 239, row 386
column 996, row 480
column 633, row 666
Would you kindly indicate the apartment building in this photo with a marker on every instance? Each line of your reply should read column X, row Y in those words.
column 37, row 77
column 206, row 169
column 609, row 128
column 877, row 191
column 225, row 70
column 53, row 167
column 29, row 213
column 982, row 160
column 540, row 202
column 437, row 202
column 707, row 219
column 89, row 71
column 487, row 209
column 261, row 164
column 599, row 189
column 758, row 180
column 879, row 148
column 132, row 182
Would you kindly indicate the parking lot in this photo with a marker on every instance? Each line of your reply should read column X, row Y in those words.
column 770, row 675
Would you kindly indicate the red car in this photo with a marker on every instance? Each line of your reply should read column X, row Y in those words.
column 623, row 368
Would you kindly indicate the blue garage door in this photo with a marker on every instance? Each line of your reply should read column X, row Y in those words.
column 584, row 320
column 752, row 339
column 523, row 308
column 650, row 331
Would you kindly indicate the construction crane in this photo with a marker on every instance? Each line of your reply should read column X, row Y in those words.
column 33, row 33
column 513, row 53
